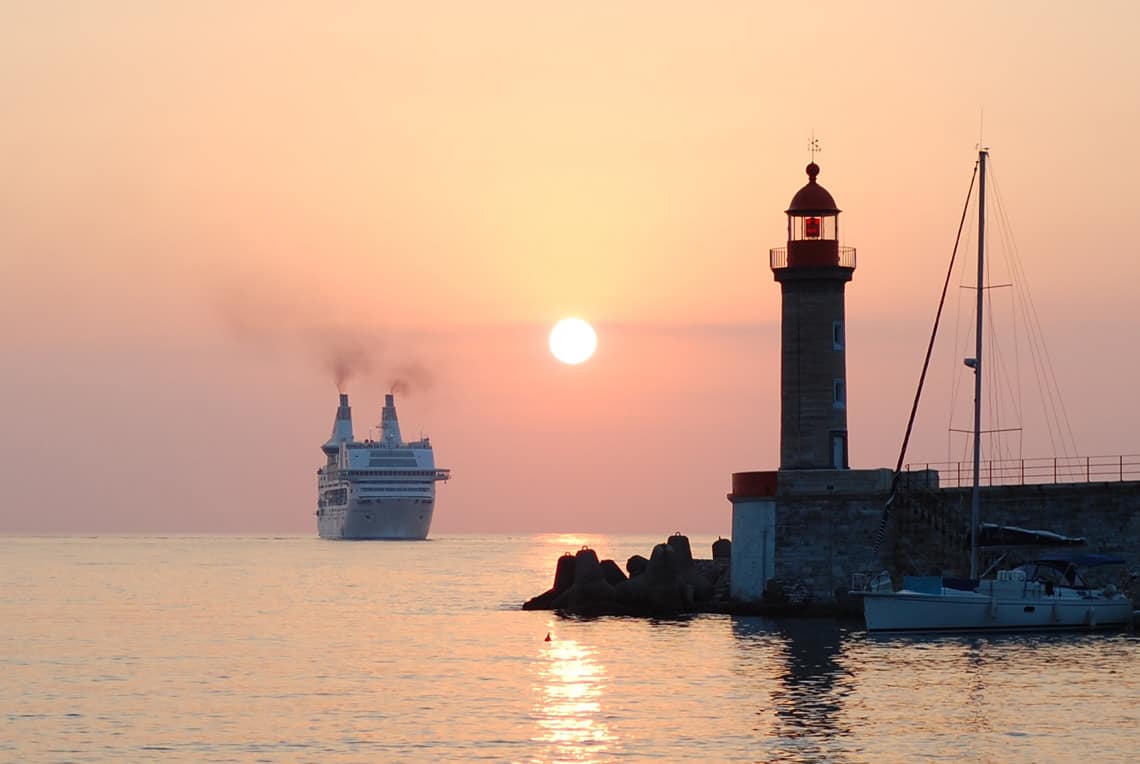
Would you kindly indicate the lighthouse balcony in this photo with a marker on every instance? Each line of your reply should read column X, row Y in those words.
column 812, row 254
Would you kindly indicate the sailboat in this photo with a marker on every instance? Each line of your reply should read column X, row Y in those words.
column 1048, row 593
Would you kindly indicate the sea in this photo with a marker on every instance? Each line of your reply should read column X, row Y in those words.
column 296, row 649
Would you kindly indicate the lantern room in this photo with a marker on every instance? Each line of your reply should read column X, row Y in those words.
column 813, row 225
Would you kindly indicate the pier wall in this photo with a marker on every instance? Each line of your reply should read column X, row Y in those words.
column 1107, row 515
column 826, row 522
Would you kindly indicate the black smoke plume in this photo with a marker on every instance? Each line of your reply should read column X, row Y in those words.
column 273, row 324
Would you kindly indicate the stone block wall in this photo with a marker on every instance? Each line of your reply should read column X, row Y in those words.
column 825, row 526
column 810, row 364
column 1107, row 515
column 826, row 522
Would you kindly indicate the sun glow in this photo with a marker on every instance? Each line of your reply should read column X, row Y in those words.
column 572, row 340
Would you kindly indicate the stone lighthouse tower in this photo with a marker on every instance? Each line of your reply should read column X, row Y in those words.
column 808, row 522
column 813, row 271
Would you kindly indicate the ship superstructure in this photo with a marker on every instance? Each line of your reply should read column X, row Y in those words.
column 376, row 489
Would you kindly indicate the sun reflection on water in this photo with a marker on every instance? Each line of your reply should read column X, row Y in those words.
column 570, row 685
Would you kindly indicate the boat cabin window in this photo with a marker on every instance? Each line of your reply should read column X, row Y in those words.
column 1050, row 574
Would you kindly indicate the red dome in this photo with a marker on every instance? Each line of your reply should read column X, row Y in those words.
column 812, row 199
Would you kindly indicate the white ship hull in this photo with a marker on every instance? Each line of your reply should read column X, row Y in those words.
column 395, row 518
column 997, row 610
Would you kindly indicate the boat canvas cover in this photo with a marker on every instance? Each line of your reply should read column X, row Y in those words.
column 1081, row 559
column 992, row 535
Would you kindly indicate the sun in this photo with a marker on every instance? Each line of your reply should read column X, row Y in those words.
column 572, row 340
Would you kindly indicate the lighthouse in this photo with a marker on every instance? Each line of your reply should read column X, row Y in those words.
column 813, row 271
column 800, row 532
column 790, row 522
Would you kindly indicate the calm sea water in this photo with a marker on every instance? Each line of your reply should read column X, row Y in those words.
column 295, row 649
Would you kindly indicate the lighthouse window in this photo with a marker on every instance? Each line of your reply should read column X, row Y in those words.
column 837, row 339
column 811, row 228
column 840, row 394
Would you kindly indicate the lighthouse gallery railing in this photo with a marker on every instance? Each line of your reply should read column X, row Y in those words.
column 778, row 257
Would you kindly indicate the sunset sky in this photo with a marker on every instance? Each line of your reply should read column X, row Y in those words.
column 204, row 204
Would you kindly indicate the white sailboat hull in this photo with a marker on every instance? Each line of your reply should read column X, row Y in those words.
column 995, row 607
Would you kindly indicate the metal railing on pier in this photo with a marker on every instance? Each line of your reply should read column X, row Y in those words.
column 1044, row 471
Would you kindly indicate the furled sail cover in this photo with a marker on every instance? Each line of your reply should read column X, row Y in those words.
column 991, row 535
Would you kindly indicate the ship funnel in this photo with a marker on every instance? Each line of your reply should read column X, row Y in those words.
column 342, row 426
column 389, row 424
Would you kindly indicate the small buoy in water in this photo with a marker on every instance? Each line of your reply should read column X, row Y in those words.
column 547, row 637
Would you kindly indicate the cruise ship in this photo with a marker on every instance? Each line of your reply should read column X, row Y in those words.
column 375, row 489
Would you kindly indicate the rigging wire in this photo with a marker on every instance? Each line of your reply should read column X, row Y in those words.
column 1003, row 393
column 990, row 367
column 922, row 377
column 1058, row 425
column 1009, row 249
column 1006, row 394
column 963, row 336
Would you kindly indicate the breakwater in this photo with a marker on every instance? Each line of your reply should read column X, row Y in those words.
column 671, row 581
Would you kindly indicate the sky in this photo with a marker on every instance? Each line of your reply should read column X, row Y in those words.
column 208, row 208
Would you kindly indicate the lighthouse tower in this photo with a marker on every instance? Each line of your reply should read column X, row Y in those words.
column 813, row 271
column 807, row 520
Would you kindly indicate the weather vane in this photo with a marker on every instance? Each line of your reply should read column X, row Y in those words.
column 813, row 146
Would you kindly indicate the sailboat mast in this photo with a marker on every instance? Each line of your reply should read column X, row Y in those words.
column 975, row 496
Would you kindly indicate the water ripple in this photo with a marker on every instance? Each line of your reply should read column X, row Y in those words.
column 231, row 649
